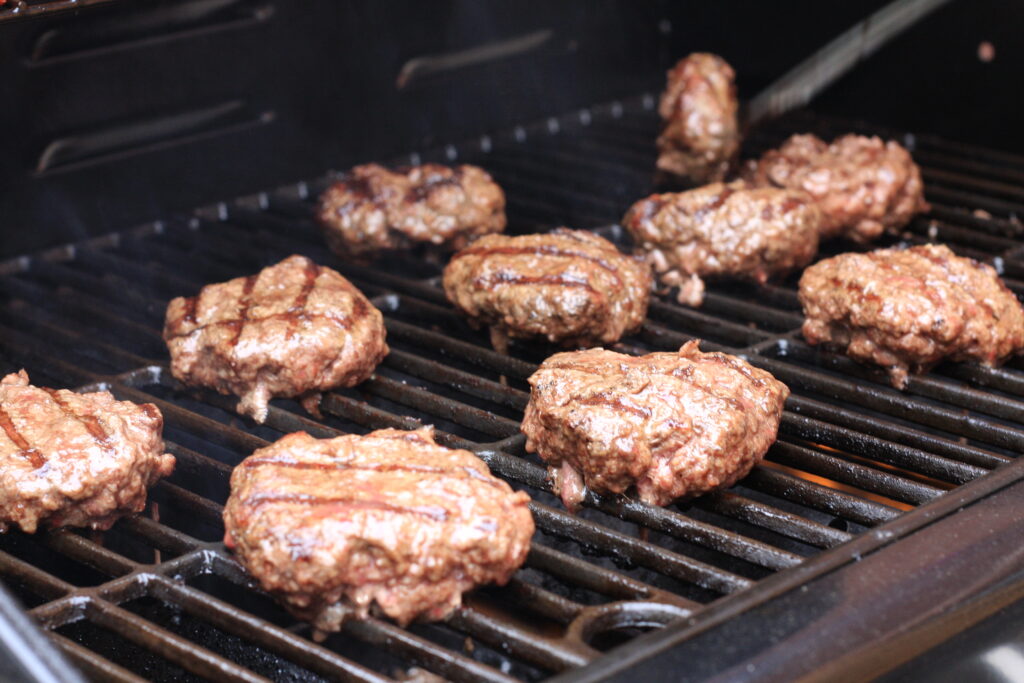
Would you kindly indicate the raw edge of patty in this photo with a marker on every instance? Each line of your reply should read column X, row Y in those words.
column 571, row 287
column 313, row 331
column 908, row 309
column 671, row 424
column 408, row 525
column 75, row 459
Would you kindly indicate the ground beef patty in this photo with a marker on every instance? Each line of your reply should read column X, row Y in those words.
column 334, row 526
column 724, row 230
column 907, row 309
column 372, row 208
column 672, row 424
column 570, row 286
column 293, row 329
column 863, row 185
column 75, row 459
column 700, row 134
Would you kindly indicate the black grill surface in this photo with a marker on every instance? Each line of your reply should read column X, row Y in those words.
column 158, row 598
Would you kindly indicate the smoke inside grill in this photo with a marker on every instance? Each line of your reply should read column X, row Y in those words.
column 158, row 597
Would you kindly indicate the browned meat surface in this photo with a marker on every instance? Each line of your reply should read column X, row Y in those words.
column 372, row 208
column 570, row 286
column 724, row 230
column 293, row 329
column 907, row 309
column 75, row 459
column 700, row 134
column 671, row 424
column 863, row 185
column 335, row 526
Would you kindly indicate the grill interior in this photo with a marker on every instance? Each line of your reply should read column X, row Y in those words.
column 158, row 598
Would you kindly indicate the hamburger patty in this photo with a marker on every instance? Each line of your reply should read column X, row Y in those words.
column 293, row 329
column 671, row 424
column 372, row 208
column 863, row 185
column 700, row 134
column 75, row 459
column 335, row 526
column 907, row 309
column 724, row 231
column 570, row 286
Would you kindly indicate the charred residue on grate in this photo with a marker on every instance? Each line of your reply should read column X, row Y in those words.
column 158, row 596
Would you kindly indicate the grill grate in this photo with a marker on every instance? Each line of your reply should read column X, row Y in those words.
column 158, row 597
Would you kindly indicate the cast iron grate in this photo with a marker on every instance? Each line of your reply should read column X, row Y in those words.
column 158, row 597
